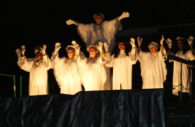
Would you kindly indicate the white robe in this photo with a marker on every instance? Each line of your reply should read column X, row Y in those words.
column 105, row 32
column 153, row 70
column 38, row 82
column 184, row 73
column 122, row 70
column 67, row 75
column 93, row 74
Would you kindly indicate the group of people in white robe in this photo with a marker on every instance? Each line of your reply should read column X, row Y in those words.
column 93, row 72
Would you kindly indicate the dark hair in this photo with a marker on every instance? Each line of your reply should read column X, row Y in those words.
column 184, row 44
column 98, row 14
column 117, row 51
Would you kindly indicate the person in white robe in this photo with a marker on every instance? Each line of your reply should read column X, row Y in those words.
column 66, row 70
column 181, row 71
column 92, row 70
column 100, row 31
column 122, row 63
column 37, row 67
column 152, row 64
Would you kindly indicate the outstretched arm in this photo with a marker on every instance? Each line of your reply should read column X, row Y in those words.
column 71, row 22
column 123, row 15
column 162, row 49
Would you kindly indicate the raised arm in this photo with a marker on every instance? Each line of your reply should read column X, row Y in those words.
column 100, row 48
column 123, row 15
column 162, row 49
column 56, row 50
column 22, row 62
column 77, row 50
column 46, row 60
column 71, row 22
column 190, row 40
column 169, row 43
column 139, row 41
column 133, row 50
column 21, row 55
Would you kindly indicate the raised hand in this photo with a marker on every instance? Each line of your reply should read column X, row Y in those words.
column 100, row 46
column 124, row 15
column 43, row 49
column 162, row 40
column 23, row 50
column 169, row 43
column 132, row 42
column 76, row 46
column 18, row 52
column 139, row 41
column 190, row 40
column 106, row 47
column 57, row 46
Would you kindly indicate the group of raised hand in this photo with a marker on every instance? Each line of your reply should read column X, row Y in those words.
column 21, row 52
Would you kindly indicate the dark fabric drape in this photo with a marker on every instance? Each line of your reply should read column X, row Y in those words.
column 122, row 108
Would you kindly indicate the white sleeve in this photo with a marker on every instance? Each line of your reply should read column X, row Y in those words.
column 111, row 28
column 109, row 60
column 133, row 55
column 25, row 64
column 47, row 62
column 190, row 55
column 86, row 32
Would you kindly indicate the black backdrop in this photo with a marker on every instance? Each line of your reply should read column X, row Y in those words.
column 125, row 108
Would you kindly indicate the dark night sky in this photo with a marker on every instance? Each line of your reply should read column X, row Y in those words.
column 33, row 23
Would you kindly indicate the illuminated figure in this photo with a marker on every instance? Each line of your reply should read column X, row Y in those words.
column 101, row 30
column 121, row 62
column 38, row 68
column 92, row 69
column 153, row 67
column 66, row 70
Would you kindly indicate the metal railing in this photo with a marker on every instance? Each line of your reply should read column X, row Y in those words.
column 15, row 89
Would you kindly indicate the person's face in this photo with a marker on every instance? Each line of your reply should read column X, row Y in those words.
column 38, row 56
column 70, row 54
column 92, row 52
column 98, row 19
column 121, row 46
column 180, row 44
column 153, row 50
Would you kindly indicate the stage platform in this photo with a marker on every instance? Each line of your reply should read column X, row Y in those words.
column 122, row 108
